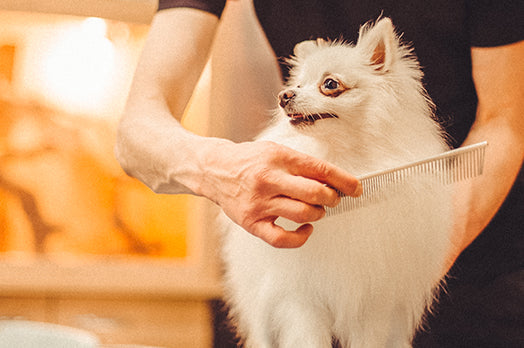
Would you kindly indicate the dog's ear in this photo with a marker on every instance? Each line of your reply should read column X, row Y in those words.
column 304, row 48
column 379, row 43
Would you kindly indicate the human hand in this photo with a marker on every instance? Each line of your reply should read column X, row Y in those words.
column 255, row 183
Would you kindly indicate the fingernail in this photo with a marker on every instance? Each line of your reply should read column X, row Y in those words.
column 359, row 189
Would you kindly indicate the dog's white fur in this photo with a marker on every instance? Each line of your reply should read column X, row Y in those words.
column 365, row 277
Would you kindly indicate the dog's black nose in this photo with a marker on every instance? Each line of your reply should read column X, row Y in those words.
column 285, row 97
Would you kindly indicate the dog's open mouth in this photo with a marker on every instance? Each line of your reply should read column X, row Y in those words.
column 297, row 119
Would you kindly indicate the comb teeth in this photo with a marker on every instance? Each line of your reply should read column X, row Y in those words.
column 449, row 167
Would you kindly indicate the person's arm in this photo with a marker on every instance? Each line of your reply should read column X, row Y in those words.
column 498, row 74
column 173, row 57
column 253, row 182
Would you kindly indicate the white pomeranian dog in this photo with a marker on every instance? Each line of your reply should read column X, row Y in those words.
column 364, row 278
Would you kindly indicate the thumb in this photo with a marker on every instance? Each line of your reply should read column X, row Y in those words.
column 279, row 237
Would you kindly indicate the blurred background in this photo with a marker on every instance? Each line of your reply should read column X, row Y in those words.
column 81, row 243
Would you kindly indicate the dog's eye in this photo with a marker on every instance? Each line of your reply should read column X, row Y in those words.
column 331, row 87
column 330, row 84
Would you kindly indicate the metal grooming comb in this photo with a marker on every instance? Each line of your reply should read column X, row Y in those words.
column 449, row 167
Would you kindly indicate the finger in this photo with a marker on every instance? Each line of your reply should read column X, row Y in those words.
column 309, row 191
column 281, row 183
column 294, row 210
column 278, row 237
column 326, row 173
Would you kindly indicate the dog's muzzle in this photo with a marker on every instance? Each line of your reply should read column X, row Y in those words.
column 287, row 97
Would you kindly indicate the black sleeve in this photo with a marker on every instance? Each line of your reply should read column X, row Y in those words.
column 496, row 22
column 212, row 6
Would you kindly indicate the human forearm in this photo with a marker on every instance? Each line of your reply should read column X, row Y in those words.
column 477, row 200
column 498, row 78
column 159, row 151
column 151, row 143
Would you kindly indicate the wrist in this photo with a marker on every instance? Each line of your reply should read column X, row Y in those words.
column 197, row 168
column 213, row 156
